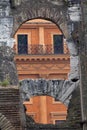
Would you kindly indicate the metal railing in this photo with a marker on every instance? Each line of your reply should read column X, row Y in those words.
column 38, row 49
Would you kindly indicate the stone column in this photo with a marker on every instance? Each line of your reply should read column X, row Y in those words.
column 83, row 64
column 73, row 20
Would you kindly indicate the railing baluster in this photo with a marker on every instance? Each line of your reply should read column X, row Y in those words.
column 46, row 49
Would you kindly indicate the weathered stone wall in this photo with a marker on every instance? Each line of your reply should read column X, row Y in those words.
column 74, row 110
column 7, row 66
column 83, row 63
column 6, row 24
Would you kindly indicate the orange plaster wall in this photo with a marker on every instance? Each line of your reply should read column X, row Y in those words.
column 34, row 36
column 34, row 108
column 51, row 106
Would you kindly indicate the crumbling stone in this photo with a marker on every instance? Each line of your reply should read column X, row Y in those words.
column 7, row 66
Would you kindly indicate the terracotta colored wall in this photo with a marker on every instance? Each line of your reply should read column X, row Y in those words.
column 52, row 107
column 34, row 30
column 49, row 33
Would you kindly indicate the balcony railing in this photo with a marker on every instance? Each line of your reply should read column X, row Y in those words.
column 37, row 49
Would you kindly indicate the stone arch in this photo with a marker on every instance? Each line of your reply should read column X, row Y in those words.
column 59, row 89
column 5, row 123
column 30, row 10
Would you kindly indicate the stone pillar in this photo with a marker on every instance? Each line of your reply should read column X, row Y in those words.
column 7, row 65
column 83, row 64
column 74, row 12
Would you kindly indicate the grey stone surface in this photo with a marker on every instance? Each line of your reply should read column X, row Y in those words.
column 83, row 64
column 59, row 89
column 6, row 24
column 74, row 12
column 7, row 66
column 74, row 110
column 74, row 71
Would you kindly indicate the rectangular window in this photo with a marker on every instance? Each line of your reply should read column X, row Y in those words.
column 22, row 43
column 58, row 44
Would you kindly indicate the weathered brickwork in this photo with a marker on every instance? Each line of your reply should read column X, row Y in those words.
column 10, row 107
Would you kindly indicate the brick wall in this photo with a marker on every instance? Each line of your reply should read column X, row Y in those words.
column 10, row 106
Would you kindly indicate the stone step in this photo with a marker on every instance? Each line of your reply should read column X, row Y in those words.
column 10, row 108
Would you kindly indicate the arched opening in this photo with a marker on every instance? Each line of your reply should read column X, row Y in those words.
column 50, row 12
column 43, row 11
column 46, row 110
column 40, row 36
column 43, row 43
column 42, row 53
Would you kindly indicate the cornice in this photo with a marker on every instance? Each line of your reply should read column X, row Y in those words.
column 38, row 58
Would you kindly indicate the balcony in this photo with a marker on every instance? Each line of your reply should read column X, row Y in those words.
column 42, row 61
column 39, row 49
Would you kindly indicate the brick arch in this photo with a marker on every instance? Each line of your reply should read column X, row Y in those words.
column 5, row 123
column 30, row 10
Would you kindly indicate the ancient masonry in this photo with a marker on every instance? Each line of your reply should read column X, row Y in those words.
column 59, row 89
column 11, row 17
column 10, row 111
column 6, row 53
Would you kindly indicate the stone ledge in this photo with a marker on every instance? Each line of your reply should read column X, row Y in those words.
column 9, row 87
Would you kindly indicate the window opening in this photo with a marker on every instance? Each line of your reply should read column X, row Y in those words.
column 58, row 44
column 22, row 44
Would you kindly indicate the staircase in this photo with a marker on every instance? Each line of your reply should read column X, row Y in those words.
column 10, row 107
